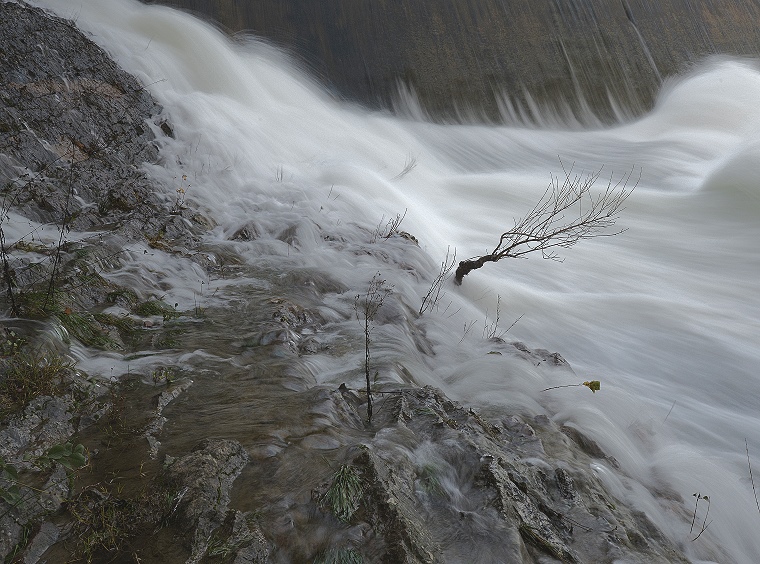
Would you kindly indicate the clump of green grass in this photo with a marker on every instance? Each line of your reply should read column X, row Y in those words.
column 344, row 495
column 155, row 307
column 127, row 328
column 28, row 375
column 105, row 521
column 102, row 523
column 122, row 295
column 39, row 303
column 430, row 481
column 84, row 328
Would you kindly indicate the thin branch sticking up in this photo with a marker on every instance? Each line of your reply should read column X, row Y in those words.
column 366, row 307
column 751, row 479
column 435, row 293
column 490, row 329
column 391, row 227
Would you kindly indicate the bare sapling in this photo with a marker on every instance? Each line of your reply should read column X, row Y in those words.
column 568, row 212
column 699, row 497
column 435, row 292
column 366, row 307
column 7, row 274
column 751, row 479
column 63, row 230
column 490, row 329
column 391, row 227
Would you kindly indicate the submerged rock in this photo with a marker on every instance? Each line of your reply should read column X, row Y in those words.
column 205, row 478
column 440, row 483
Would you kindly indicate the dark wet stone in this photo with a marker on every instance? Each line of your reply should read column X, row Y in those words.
column 204, row 479
column 74, row 129
column 207, row 473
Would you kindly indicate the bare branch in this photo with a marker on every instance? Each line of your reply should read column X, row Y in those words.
column 567, row 212
column 391, row 228
column 409, row 165
column 435, row 292
column 366, row 307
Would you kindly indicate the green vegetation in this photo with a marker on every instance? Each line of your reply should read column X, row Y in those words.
column 15, row 492
column 344, row 495
column 28, row 375
column 11, row 494
column 155, row 307
column 102, row 522
column 68, row 455
column 429, row 480
column 85, row 329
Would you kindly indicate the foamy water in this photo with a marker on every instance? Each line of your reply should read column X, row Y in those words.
column 665, row 315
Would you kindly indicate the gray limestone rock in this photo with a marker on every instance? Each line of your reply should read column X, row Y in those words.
column 205, row 476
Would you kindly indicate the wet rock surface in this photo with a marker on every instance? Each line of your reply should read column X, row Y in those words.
column 441, row 483
column 204, row 477
column 74, row 130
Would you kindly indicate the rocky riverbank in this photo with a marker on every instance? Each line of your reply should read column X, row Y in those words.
column 103, row 467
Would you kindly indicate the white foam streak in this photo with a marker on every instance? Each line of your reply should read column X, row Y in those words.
column 665, row 315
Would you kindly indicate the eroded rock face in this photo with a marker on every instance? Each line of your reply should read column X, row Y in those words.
column 74, row 128
column 205, row 478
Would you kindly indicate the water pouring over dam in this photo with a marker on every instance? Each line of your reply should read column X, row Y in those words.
column 291, row 178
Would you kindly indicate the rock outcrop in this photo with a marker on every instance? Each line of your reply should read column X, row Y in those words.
column 441, row 483
column 73, row 126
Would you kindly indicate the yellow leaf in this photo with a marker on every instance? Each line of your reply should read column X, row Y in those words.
column 593, row 385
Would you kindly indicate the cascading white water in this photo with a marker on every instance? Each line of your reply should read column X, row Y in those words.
column 665, row 315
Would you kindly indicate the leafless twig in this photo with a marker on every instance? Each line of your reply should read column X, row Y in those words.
column 751, row 479
column 489, row 329
column 435, row 292
column 546, row 228
column 366, row 307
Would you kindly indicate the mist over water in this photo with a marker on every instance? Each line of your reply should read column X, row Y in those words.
column 666, row 315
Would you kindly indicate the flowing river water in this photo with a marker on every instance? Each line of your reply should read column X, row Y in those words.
column 666, row 314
